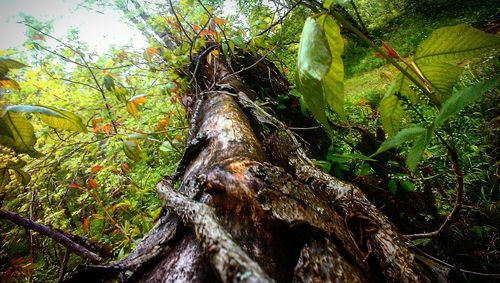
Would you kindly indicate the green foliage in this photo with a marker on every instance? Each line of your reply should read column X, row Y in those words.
column 52, row 116
column 320, row 69
column 462, row 98
column 391, row 111
column 405, row 135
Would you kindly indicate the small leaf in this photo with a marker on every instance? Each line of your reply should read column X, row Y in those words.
column 109, row 82
column 138, row 99
column 132, row 150
column 407, row 186
column 132, row 109
column 462, row 98
column 416, row 152
column 54, row 117
column 218, row 21
column 405, row 135
column 96, row 168
column 74, row 185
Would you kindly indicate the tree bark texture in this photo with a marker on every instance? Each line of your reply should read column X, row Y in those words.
column 251, row 207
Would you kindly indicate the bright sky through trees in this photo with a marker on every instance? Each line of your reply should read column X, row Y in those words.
column 100, row 29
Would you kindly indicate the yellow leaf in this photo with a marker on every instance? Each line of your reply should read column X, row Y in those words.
column 8, row 83
column 219, row 21
column 132, row 109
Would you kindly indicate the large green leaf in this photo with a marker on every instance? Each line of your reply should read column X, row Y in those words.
column 313, row 62
column 54, row 117
column 438, row 56
column 314, row 57
column 462, row 98
column 17, row 132
column 391, row 112
column 333, row 82
column 320, row 71
column 6, row 64
column 438, row 59
column 405, row 135
column 453, row 44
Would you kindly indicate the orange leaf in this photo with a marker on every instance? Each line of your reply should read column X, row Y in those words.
column 196, row 28
column 96, row 168
column 162, row 124
column 219, row 21
column 107, row 128
column 92, row 183
column 178, row 138
column 152, row 50
column 140, row 100
column 86, row 224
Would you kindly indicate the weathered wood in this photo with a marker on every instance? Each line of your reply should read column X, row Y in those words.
column 251, row 207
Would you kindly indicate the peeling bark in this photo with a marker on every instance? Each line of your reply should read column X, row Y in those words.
column 251, row 207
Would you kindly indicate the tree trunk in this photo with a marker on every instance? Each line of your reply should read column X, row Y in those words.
column 250, row 206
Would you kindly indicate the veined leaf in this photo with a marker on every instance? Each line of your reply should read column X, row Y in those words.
column 405, row 135
column 442, row 77
column 313, row 62
column 320, row 71
column 314, row 53
column 17, row 132
column 416, row 152
column 462, row 98
column 54, row 117
column 437, row 57
column 391, row 112
column 453, row 44
column 333, row 82
column 6, row 64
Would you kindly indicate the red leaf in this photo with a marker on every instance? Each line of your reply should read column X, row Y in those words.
column 96, row 168
column 74, row 185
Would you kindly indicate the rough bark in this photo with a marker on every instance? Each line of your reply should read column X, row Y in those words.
column 251, row 207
